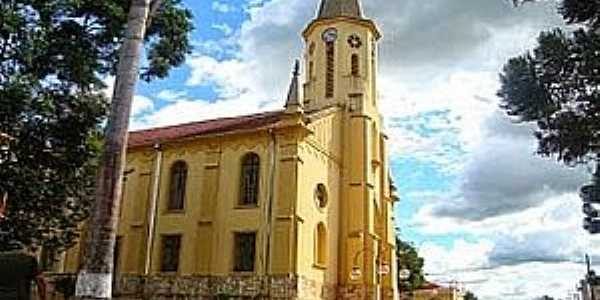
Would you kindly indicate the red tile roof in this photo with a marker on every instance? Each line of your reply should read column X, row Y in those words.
column 224, row 125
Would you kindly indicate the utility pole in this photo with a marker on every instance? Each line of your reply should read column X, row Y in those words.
column 590, row 277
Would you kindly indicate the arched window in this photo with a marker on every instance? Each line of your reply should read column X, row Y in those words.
column 179, row 172
column 373, row 52
column 321, row 245
column 330, row 71
column 355, row 65
column 321, row 195
column 249, row 179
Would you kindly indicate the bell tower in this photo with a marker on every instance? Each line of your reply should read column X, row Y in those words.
column 341, row 58
column 341, row 72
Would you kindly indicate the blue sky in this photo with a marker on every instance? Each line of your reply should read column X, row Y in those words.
column 482, row 209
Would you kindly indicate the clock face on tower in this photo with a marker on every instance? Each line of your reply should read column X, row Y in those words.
column 330, row 35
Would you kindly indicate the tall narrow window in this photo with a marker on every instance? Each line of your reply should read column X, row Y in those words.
column 321, row 195
column 321, row 245
column 179, row 172
column 250, row 178
column 373, row 53
column 374, row 56
column 311, row 70
column 245, row 252
column 171, row 244
column 355, row 65
column 330, row 71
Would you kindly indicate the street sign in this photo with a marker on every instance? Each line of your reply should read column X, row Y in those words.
column 404, row 274
column 355, row 274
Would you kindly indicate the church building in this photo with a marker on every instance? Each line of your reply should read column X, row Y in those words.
column 289, row 204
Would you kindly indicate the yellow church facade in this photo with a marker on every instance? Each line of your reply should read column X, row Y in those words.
column 291, row 204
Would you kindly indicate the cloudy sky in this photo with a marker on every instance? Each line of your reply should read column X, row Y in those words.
column 481, row 208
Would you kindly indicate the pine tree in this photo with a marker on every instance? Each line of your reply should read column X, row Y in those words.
column 557, row 86
column 470, row 296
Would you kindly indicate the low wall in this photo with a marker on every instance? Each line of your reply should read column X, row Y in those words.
column 133, row 287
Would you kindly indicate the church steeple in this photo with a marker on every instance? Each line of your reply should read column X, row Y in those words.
column 340, row 57
column 293, row 102
column 340, row 8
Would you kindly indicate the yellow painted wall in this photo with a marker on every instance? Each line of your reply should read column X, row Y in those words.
column 320, row 154
column 336, row 142
column 366, row 236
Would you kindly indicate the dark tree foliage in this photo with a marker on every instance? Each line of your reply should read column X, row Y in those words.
column 470, row 296
column 557, row 86
column 54, row 56
column 409, row 259
column 585, row 12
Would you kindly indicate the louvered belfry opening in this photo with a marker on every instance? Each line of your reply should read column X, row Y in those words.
column 330, row 70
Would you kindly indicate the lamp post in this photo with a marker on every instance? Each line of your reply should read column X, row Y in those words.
column 383, row 268
column 403, row 275
column 357, row 273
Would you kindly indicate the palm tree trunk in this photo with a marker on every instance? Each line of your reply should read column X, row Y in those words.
column 95, row 278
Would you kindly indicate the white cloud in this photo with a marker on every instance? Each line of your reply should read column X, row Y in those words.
column 253, row 79
column 512, row 256
column 222, row 7
column 553, row 213
column 216, row 48
column 223, row 27
column 189, row 110
column 141, row 105
column 462, row 256
column 517, row 256
column 110, row 86
column 230, row 77
column 171, row 95
column 525, row 281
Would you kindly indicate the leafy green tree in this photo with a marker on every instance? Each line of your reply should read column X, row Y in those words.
column 470, row 296
column 54, row 58
column 557, row 86
column 409, row 259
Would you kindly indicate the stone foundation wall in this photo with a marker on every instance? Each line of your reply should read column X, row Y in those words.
column 361, row 292
column 132, row 287
column 309, row 289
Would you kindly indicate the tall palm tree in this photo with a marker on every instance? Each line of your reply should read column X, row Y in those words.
column 95, row 278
